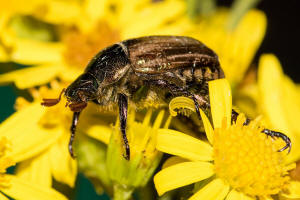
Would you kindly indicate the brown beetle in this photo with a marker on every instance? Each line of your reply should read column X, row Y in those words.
column 162, row 67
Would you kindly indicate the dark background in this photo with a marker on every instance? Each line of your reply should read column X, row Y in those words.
column 282, row 39
column 283, row 34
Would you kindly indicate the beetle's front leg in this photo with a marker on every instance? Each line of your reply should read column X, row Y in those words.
column 123, row 107
column 73, row 130
column 268, row 132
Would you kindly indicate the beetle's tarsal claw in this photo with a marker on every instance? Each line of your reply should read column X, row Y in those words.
column 285, row 138
column 127, row 152
column 287, row 146
column 71, row 150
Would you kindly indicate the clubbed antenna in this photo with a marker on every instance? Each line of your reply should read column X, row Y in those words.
column 52, row 102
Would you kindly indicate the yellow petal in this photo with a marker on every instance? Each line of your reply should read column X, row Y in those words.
column 20, row 7
column 3, row 54
column 95, row 128
column 21, row 189
column 152, row 14
column 99, row 132
column 180, row 26
column 36, row 170
column 177, row 143
column 94, row 14
column 181, row 103
column 293, row 190
column 63, row 166
column 182, row 174
column 280, row 101
column 208, row 128
column 30, row 52
column 26, row 136
column 68, row 73
column 2, row 197
column 173, row 161
column 242, row 44
column 215, row 190
column 62, row 12
column 270, row 89
column 220, row 102
column 235, row 195
column 268, row 198
column 31, row 76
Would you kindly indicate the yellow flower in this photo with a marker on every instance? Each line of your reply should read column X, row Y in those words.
column 40, row 140
column 78, row 30
column 274, row 96
column 93, row 29
column 112, row 167
column 239, row 162
column 144, row 156
column 19, row 188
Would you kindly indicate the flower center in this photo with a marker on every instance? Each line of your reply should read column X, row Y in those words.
column 248, row 160
column 5, row 161
column 81, row 47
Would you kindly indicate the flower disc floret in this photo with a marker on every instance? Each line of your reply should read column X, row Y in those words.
column 248, row 160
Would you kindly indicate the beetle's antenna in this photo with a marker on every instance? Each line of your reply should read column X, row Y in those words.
column 52, row 102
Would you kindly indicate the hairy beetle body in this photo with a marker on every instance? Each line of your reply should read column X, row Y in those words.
column 144, row 62
column 153, row 68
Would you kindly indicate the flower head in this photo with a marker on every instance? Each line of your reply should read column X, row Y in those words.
column 118, row 175
column 41, row 134
column 144, row 157
column 17, row 187
column 240, row 161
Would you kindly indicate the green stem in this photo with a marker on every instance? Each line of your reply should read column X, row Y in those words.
column 200, row 7
column 122, row 192
column 239, row 8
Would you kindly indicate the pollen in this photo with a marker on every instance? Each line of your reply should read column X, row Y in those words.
column 81, row 47
column 248, row 160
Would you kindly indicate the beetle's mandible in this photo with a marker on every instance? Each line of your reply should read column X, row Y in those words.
column 162, row 67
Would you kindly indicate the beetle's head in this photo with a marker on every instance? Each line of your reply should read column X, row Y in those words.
column 82, row 90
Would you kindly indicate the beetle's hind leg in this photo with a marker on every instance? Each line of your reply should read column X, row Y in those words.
column 73, row 130
column 268, row 132
column 123, row 107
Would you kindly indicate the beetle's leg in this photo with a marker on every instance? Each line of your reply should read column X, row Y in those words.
column 197, row 106
column 234, row 116
column 176, row 91
column 268, row 132
column 123, row 106
column 285, row 138
column 73, row 130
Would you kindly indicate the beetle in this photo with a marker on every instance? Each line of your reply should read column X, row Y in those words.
column 159, row 67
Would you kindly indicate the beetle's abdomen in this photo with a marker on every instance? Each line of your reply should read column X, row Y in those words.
column 159, row 54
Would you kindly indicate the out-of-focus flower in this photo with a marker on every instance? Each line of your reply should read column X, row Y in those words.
column 40, row 137
column 78, row 31
column 239, row 163
column 279, row 101
column 17, row 187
